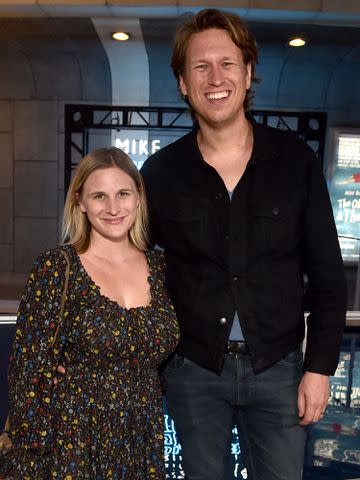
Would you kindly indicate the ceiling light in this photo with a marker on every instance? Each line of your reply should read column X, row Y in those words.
column 121, row 36
column 297, row 42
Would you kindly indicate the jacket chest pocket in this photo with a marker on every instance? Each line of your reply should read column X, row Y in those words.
column 184, row 226
column 276, row 225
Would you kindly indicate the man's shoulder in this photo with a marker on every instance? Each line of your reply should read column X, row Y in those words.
column 173, row 152
column 277, row 134
column 281, row 141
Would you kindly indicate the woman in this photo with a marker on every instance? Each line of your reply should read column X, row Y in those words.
column 117, row 326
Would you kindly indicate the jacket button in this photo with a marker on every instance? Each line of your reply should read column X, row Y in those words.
column 223, row 321
column 275, row 210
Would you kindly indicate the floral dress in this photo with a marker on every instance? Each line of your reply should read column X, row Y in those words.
column 107, row 415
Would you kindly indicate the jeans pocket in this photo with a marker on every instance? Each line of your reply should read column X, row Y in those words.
column 176, row 362
column 293, row 358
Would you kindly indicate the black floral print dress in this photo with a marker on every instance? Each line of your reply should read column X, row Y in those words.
column 107, row 415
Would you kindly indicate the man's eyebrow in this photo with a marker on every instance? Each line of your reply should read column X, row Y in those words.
column 201, row 59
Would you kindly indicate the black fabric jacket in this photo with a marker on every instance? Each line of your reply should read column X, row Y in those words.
column 249, row 254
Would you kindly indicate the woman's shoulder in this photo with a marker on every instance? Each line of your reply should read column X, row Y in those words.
column 156, row 258
column 156, row 254
column 53, row 259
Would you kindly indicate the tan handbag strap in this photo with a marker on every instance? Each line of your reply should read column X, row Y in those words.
column 63, row 297
column 7, row 424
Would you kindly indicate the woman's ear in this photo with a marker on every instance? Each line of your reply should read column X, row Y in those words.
column 78, row 201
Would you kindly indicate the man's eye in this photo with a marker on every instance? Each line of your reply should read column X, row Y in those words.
column 227, row 64
column 201, row 67
column 99, row 196
column 123, row 194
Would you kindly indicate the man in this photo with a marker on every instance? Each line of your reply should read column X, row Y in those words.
column 242, row 212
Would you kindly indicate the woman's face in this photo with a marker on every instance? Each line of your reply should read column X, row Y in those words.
column 110, row 200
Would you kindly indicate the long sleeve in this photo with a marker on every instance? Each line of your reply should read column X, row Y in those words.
column 326, row 282
column 32, row 365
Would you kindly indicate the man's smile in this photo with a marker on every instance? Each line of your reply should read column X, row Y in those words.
column 217, row 95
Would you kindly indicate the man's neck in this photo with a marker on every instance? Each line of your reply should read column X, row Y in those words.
column 227, row 150
column 236, row 136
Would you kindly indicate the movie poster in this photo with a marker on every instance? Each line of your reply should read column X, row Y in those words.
column 345, row 192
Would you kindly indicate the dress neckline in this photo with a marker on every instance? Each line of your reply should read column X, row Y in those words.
column 94, row 286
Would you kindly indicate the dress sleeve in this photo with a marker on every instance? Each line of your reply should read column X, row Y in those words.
column 37, row 321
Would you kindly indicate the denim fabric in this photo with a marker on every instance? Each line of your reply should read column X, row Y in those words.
column 205, row 406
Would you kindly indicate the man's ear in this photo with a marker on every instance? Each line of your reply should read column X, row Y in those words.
column 182, row 86
column 248, row 75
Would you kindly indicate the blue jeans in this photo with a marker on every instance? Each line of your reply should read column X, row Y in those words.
column 205, row 407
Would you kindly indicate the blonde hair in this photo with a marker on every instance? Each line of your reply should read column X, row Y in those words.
column 76, row 226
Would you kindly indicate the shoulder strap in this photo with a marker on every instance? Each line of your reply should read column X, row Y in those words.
column 63, row 296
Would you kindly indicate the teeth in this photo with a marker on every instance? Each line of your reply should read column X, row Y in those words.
column 217, row 95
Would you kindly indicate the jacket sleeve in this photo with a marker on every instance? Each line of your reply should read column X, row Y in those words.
column 29, row 369
column 326, row 281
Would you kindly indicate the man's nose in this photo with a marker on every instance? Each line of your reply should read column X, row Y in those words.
column 216, row 75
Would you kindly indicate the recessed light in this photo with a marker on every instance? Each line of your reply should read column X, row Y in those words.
column 297, row 42
column 120, row 36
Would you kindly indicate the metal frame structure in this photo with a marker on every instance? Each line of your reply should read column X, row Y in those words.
column 81, row 120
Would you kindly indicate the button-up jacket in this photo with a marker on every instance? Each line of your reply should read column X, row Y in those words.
column 250, row 254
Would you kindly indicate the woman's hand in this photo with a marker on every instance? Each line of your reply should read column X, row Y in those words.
column 5, row 441
column 60, row 369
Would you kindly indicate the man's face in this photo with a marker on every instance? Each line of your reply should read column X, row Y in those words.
column 215, row 78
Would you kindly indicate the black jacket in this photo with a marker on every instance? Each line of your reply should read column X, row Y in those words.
column 249, row 254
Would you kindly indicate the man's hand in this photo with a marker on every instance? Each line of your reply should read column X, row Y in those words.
column 313, row 396
column 60, row 369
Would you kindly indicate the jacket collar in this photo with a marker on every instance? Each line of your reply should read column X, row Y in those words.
column 264, row 148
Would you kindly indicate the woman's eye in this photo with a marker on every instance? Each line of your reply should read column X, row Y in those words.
column 99, row 196
column 123, row 194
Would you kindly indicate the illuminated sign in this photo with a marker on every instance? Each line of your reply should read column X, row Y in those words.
column 137, row 146
column 173, row 454
column 345, row 191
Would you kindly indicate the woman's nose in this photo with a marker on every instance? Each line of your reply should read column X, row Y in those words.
column 112, row 206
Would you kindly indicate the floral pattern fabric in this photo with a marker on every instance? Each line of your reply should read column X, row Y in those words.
column 107, row 415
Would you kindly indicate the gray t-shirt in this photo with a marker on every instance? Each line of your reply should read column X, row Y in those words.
column 235, row 332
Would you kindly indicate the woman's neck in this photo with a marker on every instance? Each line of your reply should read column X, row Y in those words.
column 108, row 249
